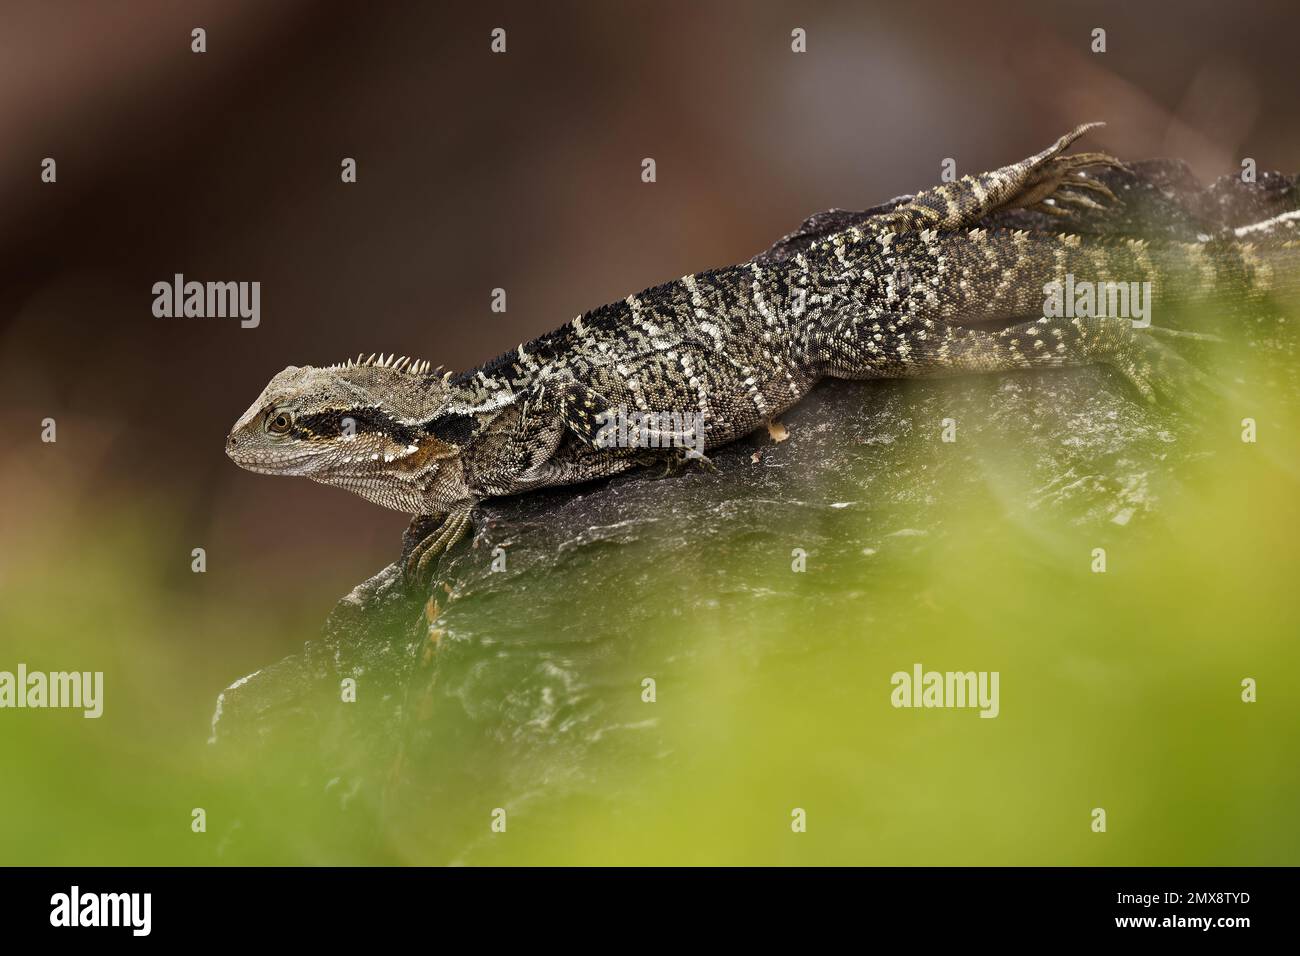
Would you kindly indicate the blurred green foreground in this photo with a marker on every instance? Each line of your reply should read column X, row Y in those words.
column 1119, row 690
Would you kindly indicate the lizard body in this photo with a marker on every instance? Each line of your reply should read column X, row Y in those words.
column 928, row 285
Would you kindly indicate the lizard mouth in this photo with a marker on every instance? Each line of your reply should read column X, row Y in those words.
column 262, row 469
column 270, row 463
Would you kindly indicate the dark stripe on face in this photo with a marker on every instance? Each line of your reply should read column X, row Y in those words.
column 367, row 421
column 453, row 428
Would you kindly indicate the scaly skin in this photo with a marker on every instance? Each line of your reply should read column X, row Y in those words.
column 919, row 288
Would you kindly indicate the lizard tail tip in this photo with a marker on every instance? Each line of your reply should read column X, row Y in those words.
column 1069, row 138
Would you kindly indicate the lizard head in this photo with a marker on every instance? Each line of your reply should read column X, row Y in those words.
column 360, row 426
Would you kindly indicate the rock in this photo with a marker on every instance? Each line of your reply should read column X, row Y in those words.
column 522, row 674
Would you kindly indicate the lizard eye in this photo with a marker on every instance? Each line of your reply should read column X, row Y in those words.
column 281, row 423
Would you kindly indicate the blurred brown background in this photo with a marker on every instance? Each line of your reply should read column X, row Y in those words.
column 476, row 171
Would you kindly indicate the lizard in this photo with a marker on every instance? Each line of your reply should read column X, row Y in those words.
column 925, row 285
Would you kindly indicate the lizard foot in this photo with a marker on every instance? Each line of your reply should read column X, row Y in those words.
column 1062, row 181
column 701, row 460
column 1152, row 367
column 434, row 542
column 679, row 459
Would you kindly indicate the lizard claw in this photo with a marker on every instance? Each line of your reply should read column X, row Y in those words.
column 435, row 543
column 1061, row 179
column 1077, row 180
column 679, row 459
column 1071, row 198
column 1050, row 208
column 705, row 462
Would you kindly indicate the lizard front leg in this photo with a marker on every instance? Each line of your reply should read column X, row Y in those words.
column 1026, row 184
column 613, row 426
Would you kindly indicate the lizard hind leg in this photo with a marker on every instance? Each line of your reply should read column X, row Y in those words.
column 903, row 347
